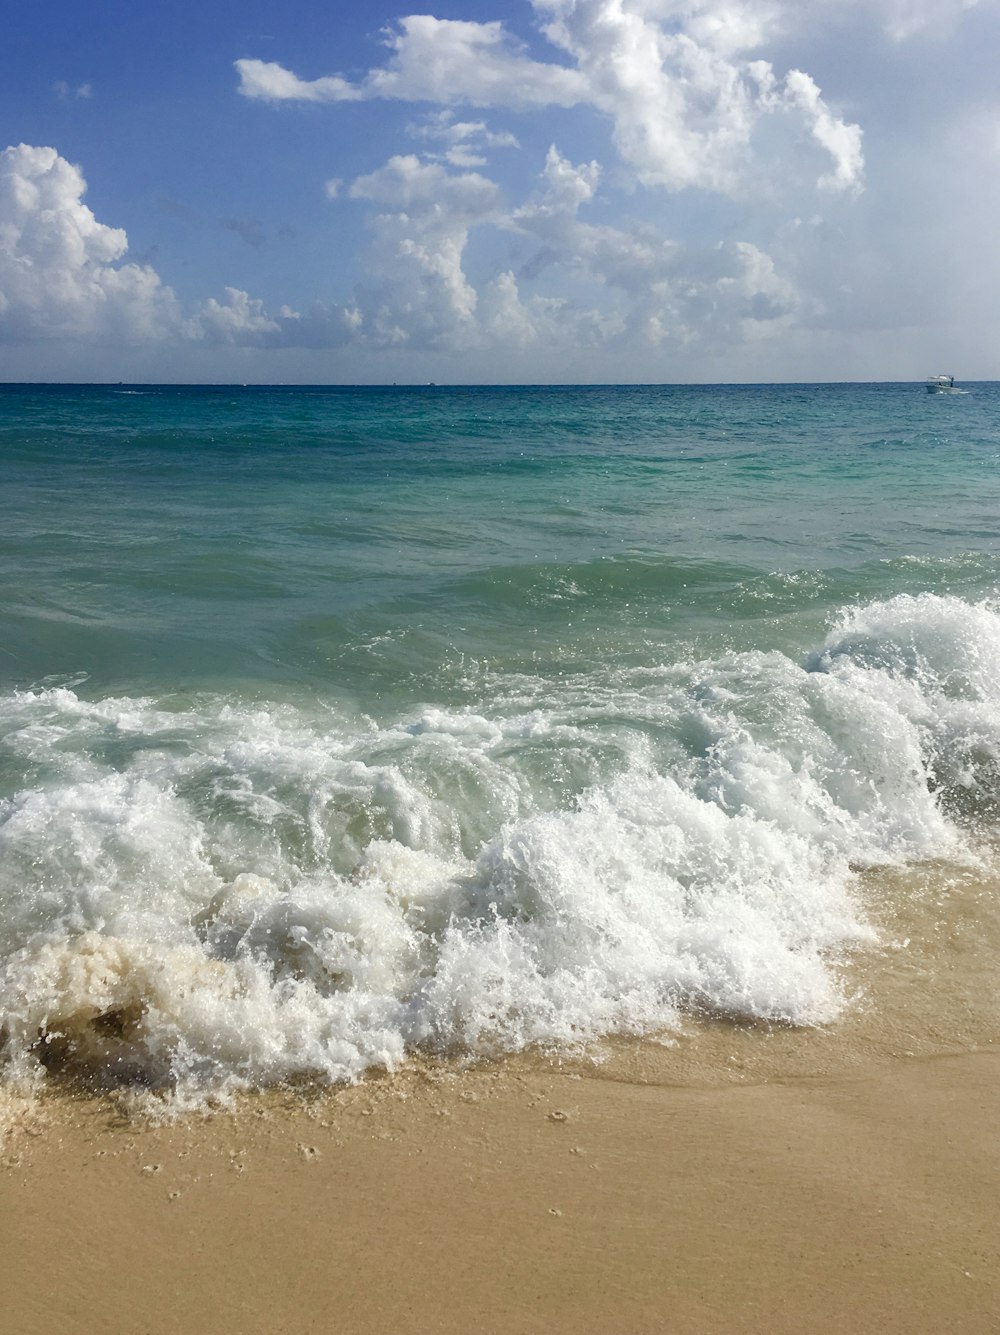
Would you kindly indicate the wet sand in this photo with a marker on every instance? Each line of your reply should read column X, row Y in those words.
column 519, row 1198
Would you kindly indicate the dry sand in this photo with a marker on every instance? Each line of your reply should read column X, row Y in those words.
column 519, row 1198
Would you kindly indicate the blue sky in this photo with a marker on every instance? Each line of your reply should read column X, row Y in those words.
column 562, row 190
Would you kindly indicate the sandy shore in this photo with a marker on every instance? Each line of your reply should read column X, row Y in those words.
column 520, row 1199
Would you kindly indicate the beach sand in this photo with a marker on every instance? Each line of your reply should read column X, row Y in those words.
column 519, row 1197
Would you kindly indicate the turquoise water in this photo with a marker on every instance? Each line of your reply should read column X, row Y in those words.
column 365, row 540
column 339, row 723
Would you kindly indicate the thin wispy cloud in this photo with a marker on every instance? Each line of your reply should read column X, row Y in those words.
column 68, row 92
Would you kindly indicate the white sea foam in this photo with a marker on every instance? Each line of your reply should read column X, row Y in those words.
column 226, row 895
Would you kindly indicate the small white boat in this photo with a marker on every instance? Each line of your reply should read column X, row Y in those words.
column 942, row 384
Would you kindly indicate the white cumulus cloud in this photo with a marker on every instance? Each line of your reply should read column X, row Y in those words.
column 420, row 235
column 662, row 290
column 842, row 141
column 240, row 318
column 433, row 60
column 61, row 271
column 675, row 80
column 627, row 283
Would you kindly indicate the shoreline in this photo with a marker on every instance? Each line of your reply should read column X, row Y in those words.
column 519, row 1197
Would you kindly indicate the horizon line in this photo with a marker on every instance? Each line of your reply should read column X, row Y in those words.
column 453, row 384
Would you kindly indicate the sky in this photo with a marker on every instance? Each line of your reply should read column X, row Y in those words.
column 500, row 191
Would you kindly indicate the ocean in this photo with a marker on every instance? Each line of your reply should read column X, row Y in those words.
column 345, row 727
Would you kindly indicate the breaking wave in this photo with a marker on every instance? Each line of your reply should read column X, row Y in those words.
column 214, row 894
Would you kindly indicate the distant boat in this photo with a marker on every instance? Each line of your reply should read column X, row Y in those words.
column 942, row 384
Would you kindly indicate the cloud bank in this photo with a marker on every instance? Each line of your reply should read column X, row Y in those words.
column 63, row 273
